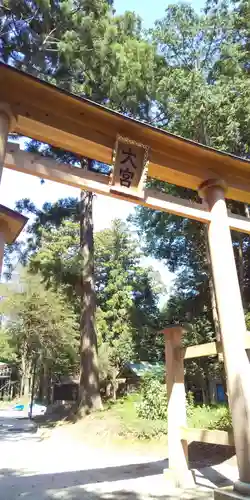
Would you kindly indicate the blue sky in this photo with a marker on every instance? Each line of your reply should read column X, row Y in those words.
column 15, row 186
column 149, row 10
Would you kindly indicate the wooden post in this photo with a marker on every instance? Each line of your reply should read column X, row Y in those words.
column 6, row 124
column 2, row 243
column 177, row 447
column 232, row 324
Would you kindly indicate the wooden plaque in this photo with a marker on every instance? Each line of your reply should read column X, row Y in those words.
column 130, row 167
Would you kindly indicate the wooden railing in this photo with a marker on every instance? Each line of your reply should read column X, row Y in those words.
column 207, row 436
column 208, row 349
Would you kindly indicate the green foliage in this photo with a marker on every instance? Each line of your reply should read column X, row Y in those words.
column 83, row 48
column 145, row 429
column 202, row 94
column 126, row 294
column 153, row 404
column 131, row 426
column 190, row 404
column 153, row 407
column 58, row 259
column 7, row 348
column 123, row 421
column 223, row 421
column 189, row 75
column 106, row 368
column 134, row 427
column 39, row 324
column 210, row 417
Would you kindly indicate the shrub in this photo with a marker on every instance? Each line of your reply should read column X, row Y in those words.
column 153, row 404
column 190, row 404
column 210, row 417
column 223, row 420
column 153, row 407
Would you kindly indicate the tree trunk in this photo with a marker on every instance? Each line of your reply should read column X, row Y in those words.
column 25, row 379
column 240, row 266
column 44, row 382
column 33, row 387
column 25, row 385
column 89, row 389
column 212, row 291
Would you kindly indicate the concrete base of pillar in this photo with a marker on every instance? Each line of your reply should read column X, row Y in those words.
column 183, row 480
column 242, row 488
column 230, row 494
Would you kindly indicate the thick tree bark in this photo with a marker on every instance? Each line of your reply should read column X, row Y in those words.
column 212, row 291
column 44, row 382
column 89, row 389
column 25, row 379
column 240, row 259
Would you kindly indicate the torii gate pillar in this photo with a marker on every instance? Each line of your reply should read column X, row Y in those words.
column 11, row 222
column 232, row 323
column 7, row 122
column 177, row 470
column 6, row 118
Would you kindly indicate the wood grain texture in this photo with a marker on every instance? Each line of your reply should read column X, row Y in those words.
column 37, row 165
column 50, row 115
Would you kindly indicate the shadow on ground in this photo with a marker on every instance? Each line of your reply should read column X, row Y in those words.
column 205, row 455
column 11, row 429
column 75, row 485
column 89, row 484
column 67, row 413
column 89, row 476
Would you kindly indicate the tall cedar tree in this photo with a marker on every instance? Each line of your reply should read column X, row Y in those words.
column 85, row 49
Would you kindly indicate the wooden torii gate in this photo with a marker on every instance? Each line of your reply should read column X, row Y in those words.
column 41, row 111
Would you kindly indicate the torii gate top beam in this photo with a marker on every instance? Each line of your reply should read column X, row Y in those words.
column 53, row 116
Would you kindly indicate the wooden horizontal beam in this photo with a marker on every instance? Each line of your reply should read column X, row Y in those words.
column 208, row 349
column 207, row 436
column 55, row 117
column 238, row 222
column 12, row 223
column 49, row 169
column 201, row 350
column 45, row 168
column 177, row 206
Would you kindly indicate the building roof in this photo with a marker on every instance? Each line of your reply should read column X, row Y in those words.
column 12, row 223
column 53, row 116
column 67, row 379
column 144, row 367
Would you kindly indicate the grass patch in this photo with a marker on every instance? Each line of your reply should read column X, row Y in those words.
column 210, row 417
column 130, row 424
column 201, row 417
column 119, row 425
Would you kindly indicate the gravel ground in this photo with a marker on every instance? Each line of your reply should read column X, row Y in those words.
column 59, row 468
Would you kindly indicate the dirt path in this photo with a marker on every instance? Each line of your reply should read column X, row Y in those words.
column 62, row 468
